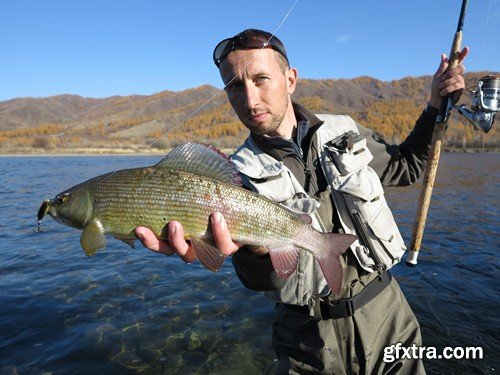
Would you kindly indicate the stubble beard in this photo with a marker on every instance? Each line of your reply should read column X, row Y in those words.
column 276, row 120
column 266, row 129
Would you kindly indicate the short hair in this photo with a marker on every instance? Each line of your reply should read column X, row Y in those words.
column 249, row 39
column 282, row 61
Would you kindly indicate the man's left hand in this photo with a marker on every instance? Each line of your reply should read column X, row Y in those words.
column 449, row 82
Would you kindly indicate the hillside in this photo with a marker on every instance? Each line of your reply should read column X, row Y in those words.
column 145, row 122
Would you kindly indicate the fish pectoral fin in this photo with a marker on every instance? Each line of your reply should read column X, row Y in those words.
column 284, row 260
column 208, row 255
column 128, row 240
column 93, row 239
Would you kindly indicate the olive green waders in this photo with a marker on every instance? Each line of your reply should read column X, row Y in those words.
column 350, row 345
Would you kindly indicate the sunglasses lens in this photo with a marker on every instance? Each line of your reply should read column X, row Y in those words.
column 251, row 39
column 223, row 48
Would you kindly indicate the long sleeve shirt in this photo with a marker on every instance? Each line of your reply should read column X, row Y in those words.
column 396, row 165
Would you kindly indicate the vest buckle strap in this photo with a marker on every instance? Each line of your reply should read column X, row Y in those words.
column 345, row 307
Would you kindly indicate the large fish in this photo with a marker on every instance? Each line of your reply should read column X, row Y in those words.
column 187, row 185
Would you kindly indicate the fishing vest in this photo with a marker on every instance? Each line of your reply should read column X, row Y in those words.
column 355, row 189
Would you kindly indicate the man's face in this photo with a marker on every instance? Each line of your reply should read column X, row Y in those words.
column 259, row 91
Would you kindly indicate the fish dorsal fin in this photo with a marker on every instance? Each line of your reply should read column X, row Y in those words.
column 201, row 159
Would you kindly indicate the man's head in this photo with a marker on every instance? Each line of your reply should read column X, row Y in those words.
column 250, row 39
column 258, row 81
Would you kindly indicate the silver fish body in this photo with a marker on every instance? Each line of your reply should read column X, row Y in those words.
column 116, row 203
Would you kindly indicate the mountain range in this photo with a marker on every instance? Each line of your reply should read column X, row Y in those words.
column 203, row 113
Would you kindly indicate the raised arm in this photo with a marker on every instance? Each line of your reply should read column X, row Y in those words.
column 400, row 165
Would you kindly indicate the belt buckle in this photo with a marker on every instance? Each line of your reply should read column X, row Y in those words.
column 349, row 306
column 342, row 309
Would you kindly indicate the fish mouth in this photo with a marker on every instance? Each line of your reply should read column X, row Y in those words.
column 44, row 208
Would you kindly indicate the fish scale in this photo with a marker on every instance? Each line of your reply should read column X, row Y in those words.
column 189, row 184
column 186, row 198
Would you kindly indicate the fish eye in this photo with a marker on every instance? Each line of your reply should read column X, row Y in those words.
column 62, row 198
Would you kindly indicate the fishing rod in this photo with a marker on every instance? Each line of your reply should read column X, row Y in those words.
column 485, row 104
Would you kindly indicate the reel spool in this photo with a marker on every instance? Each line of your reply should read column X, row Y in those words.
column 485, row 103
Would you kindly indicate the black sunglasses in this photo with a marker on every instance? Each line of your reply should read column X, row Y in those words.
column 248, row 39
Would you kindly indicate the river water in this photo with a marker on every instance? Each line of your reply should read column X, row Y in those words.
column 124, row 311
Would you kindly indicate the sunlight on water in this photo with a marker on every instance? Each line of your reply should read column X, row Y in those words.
column 125, row 311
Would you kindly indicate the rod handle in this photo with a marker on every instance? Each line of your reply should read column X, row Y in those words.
column 433, row 160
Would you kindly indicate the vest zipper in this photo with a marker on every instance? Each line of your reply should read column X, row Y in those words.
column 308, row 174
column 360, row 226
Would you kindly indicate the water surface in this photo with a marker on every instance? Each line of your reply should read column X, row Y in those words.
column 124, row 311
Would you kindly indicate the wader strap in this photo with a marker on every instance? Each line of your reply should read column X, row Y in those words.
column 342, row 308
column 345, row 307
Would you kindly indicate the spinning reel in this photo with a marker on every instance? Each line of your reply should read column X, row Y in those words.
column 485, row 103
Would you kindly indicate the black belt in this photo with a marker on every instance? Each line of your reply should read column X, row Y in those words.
column 344, row 307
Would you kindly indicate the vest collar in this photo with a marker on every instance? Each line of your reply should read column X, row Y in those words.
column 275, row 146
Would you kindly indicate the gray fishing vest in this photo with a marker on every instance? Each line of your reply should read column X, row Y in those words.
column 356, row 191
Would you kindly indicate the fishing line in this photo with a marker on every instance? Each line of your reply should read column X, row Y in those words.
column 485, row 33
column 65, row 131
column 230, row 81
column 39, row 226
column 283, row 21
column 220, row 92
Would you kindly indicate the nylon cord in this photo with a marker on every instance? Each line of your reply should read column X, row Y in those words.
column 65, row 131
column 230, row 81
column 485, row 33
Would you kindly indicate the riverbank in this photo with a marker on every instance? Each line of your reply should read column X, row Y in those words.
column 29, row 151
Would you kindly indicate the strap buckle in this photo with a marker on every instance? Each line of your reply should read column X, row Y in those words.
column 346, row 307
column 342, row 308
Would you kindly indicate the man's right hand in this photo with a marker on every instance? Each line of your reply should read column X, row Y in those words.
column 177, row 243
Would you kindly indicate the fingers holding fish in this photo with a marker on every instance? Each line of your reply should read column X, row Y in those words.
column 221, row 235
column 150, row 241
column 125, row 203
column 176, row 243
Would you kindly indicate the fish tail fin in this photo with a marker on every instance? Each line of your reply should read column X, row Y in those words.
column 327, row 251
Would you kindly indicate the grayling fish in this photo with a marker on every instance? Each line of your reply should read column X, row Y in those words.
column 187, row 185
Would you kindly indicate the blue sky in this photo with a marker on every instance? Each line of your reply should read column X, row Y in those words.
column 103, row 48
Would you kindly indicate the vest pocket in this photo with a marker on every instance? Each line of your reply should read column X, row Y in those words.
column 372, row 217
column 279, row 188
column 349, row 153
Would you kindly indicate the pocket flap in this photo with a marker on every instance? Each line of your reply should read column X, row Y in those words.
column 279, row 188
column 385, row 228
column 266, row 171
column 380, row 227
column 364, row 184
column 349, row 157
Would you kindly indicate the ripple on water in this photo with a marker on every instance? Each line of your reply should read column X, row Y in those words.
column 125, row 311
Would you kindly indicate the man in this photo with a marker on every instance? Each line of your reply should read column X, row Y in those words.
column 331, row 168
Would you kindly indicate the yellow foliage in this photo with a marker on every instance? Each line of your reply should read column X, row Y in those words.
column 45, row 129
column 313, row 103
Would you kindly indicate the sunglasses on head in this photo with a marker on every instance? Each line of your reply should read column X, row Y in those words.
column 248, row 39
